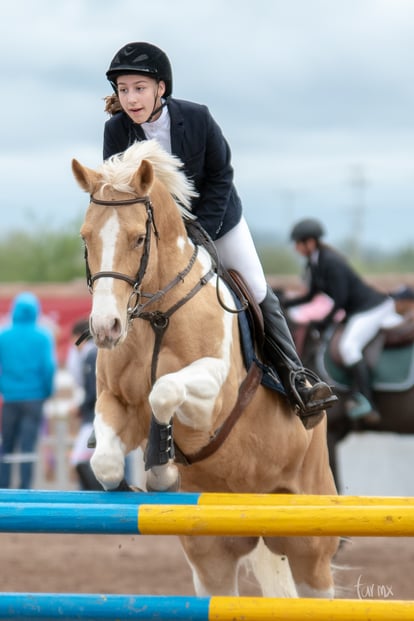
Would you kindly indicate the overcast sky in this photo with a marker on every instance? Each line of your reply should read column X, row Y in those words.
column 314, row 96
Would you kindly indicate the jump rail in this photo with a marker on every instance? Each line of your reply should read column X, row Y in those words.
column 200, row 514
column 237, row 520
column 202, row 498
column 69, row 607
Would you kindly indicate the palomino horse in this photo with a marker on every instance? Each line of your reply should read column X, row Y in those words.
column 170, row 354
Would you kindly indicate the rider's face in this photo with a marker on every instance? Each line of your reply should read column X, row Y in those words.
column 306, row 247
column 139, row 95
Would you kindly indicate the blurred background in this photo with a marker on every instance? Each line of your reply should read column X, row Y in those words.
column 315, row 99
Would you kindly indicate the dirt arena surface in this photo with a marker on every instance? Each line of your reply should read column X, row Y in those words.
column 380, row 568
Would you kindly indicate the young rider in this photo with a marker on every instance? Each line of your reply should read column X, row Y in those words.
column 142, row 108
column 366, row 309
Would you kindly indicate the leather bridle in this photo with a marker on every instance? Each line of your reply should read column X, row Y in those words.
column 135, row 281
column 159, row 320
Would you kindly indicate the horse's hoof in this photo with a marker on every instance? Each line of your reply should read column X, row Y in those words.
column 125, row 487
column 175, row 487
column 109, row 470
column 163, row 479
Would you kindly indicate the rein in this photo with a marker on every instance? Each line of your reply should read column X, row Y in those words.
column 159, row 320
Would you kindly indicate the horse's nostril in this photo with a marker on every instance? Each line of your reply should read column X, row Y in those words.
column 116, row 327
column 106, row 331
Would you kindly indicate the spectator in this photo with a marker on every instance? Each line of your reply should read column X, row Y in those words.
column 27, row 369
column 83, row 367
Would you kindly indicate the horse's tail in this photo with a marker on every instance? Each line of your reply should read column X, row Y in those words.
column 272, row 572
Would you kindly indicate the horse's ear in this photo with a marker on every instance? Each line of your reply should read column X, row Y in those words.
column 143, row 178
column 86, row 177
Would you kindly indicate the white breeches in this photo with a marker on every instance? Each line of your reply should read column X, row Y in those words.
column 237, row 251
column 361, row 328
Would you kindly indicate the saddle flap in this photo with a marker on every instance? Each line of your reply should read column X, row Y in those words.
column 402, row 334
column 238, row 286
column 392, row 368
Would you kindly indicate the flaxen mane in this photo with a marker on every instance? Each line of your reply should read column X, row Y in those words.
column 118, row 170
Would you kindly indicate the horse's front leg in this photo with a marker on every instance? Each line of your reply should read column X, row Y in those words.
column 108, row 460
column 190, row 394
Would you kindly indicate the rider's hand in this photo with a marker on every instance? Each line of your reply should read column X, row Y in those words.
column 320, row 325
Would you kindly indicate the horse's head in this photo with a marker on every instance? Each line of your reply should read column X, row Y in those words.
column 131, row 207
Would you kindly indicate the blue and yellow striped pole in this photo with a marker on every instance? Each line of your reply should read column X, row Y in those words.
column 71, row 606
column 193, row 498
column 232, row 520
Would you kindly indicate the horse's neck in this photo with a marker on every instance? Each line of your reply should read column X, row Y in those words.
column 178, row 271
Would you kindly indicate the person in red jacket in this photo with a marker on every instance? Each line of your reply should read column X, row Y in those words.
column 142, row 108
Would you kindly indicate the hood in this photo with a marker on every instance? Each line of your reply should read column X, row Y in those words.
column 26, row 308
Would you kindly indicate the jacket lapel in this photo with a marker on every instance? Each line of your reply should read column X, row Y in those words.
column 177, row 129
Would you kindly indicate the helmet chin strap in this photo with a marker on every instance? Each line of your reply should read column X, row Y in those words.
column 155, row 111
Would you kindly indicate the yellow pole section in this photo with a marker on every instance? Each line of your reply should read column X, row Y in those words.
column 389, row 521
column 209, row 498
column 269, row 609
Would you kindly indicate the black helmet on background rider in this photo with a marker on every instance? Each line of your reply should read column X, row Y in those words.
column 307, row 229
column 142, row 58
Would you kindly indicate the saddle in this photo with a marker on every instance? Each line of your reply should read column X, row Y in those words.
column 398, row 336
column 389, row 355
column 250, row 316
column 251, row 328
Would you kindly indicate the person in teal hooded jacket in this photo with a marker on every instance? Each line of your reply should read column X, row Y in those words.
column 27, row 369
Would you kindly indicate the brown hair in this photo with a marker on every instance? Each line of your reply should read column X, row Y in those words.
column 112, row 105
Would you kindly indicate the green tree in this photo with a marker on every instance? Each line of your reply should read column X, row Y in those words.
column 42, row 255
column 45, row 254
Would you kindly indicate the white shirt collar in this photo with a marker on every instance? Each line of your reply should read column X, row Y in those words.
column 314, row 257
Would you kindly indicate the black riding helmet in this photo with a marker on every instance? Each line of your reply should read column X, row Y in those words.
column 142, row 58
column 307, row 229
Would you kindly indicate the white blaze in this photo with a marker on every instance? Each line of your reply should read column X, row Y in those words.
column 104, row 301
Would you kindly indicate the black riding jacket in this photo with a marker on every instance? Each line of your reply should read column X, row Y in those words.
column 331, row 274
column 198, row 141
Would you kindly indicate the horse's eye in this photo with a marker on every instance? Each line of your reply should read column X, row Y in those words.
column 139, row 241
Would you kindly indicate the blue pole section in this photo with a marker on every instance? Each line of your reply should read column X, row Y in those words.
column 108, row 498
column 68, row 518
column 72, row 606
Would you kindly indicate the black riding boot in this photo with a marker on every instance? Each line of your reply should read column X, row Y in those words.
column 365, row 411
column 280, row 352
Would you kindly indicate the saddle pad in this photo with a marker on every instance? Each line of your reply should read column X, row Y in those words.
column 393, row 371
column 270, row 378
